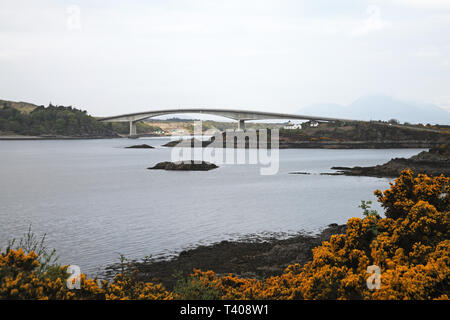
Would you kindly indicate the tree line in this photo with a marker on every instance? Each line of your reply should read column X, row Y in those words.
column 59, row 120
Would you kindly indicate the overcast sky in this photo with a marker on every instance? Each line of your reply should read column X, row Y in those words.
column 113, row 57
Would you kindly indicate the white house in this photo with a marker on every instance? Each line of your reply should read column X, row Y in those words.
column 292, row 126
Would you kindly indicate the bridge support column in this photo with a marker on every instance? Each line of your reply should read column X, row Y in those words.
column 241, row 125
column 133, row 130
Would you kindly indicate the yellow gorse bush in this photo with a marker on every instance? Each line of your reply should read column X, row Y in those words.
column 411, row 247
column 19, row 279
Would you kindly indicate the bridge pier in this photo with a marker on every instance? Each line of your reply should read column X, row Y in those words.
column 241, row 125
column 133, row 130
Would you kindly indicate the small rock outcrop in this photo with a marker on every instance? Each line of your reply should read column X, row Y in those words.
column 187, row 143
column 184, row 166
column 140, row 146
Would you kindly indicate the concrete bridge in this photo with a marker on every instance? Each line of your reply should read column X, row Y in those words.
column 239, row 115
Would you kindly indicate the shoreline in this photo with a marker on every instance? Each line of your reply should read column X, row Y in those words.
column 434, row 162
column 31, row 138
column 283, row 143
column 252, row 256
column 289, row 144
column 36, row 138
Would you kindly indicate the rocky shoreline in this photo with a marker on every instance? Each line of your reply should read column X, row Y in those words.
column 140, row 146
column 184, row 166
column 17, row 137
column 434, row 162
column 289, row 143
column 254, row 257
column 285, row 144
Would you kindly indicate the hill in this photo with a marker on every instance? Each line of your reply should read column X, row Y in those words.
column 364, row 135
column 27, row 119
column 21, row 118
column 23, row 107
column 341, row 135
column 379, row 107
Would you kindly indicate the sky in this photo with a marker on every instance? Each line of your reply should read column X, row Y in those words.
column 114, row 57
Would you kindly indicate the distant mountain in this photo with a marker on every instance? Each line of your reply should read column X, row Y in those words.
column 379, row 107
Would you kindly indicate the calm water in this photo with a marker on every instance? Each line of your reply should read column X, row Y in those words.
column 95, row 199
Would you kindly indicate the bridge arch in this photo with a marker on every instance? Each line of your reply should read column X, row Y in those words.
column 239, row 115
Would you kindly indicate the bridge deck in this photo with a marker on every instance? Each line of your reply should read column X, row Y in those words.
column 227, row 113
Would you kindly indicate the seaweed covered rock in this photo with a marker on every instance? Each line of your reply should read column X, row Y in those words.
column 184, row 166
column 140, row 146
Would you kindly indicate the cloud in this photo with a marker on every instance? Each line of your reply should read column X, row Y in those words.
column 373, row 23
column 422, row 4
column 434, row 55
column 429, row 52
column 73, row 22
column 265, row 53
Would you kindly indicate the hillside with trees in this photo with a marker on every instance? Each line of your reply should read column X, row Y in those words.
column 26, row 119
column 51, row 121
